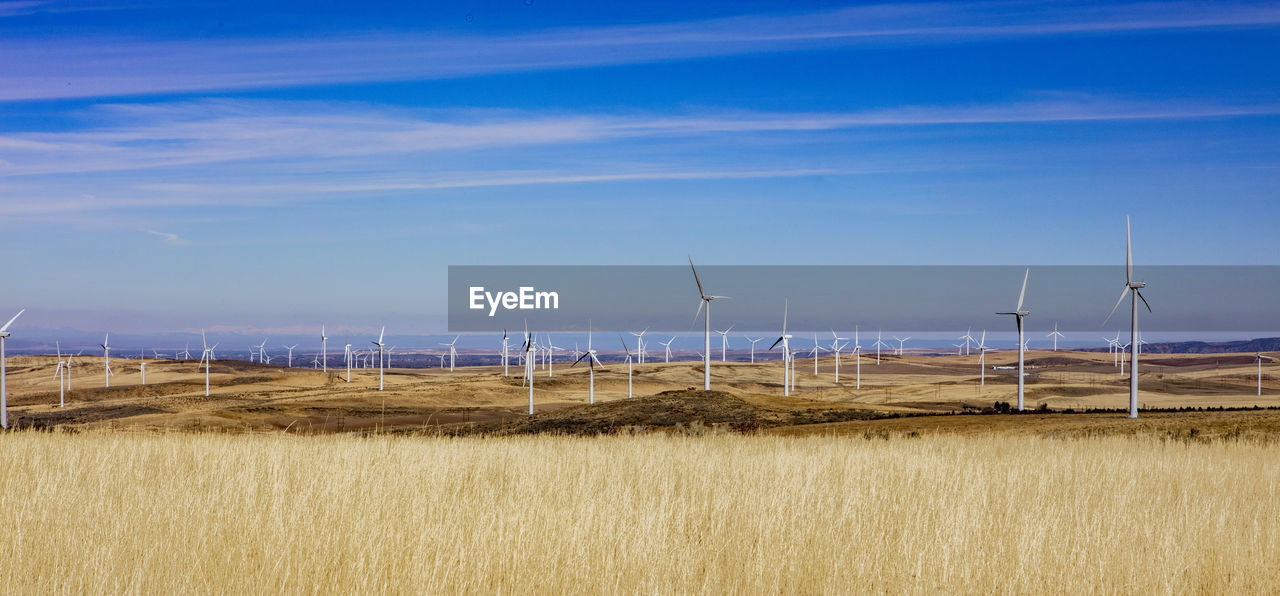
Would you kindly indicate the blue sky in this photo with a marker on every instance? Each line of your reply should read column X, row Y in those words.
column 263, row 167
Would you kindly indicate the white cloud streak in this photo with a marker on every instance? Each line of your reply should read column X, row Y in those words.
column 86, row 67
column 170, row 238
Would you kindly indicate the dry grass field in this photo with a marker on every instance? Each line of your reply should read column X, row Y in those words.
column 102, row 512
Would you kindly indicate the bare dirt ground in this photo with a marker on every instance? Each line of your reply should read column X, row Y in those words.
column 255, row 397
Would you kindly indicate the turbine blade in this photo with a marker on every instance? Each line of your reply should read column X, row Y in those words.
column 15, row 317
column 695, row 278
column 1113, row 309
column 1144, row 300
column 1023, row 293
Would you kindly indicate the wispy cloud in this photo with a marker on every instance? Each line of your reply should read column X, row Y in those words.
column 169, row 238
column 80, row 67
column 140, row 137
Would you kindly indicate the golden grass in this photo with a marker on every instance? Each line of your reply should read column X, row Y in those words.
column 118, row 512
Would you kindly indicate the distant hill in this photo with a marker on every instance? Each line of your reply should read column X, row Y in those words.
column 1266, row 344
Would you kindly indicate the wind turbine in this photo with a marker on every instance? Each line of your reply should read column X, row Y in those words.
column 706, row 337
column 1133, row 289
column 816, row 349
column 836, row 346
column 453, row 353
column 262, row 351
column 206, row 358
column 324, row 353
column 785, row 340
column 380, row 346
column 186, row 352
column 667, row 346
column 60, row 373
column 857, row 351
column 527, row 349
column 1260, row 359
column 142, row 365
column 628, row 351
column 349, row 358
column 505, row 357
column 1018, row 314
column 290, row 348
column 901, row 343
column 724, row 341
column 551, row 348
column 106, row 359
column 968, row 338
column 640, row 344
column 879, row 344
column 753, row 348
column 1055, row 335
column 591, row 365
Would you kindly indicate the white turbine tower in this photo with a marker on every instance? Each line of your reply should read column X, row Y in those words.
column 785, row 340
column 1260, row 359
column 836, row 347
column 857, row 351
column 982, row 359
column 324, row 354
column 290, row 348
column 453, row 352
column 667, row 347
column 262, row 351
column 968, row 339
column 60, row 373
column 1055, row 335
column 706, row 336
column 592, row 361
column 628, row 351
column 528, row 349
column 349, row 357
column 901, row 343
column 380, row 346
column 106, row 359
column 1018, row 314
column 1133, row 289
column 879, row 344
column 142, row 365
column 753, row 348
column 505, row 356
column 816, row 349
column 551, row 352
column 206, row 358
column 724, row 341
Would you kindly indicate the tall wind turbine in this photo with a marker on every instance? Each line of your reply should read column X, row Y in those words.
column 1018, row 314
column 1260, row 359
column 106, row 359
column 1133, row 289
column 350, row 357
column 60, row 373
column 785, row 340
column 982, row 359
column 4, row 397
column 505, row 357
column 1055, row 335
column 836, row 347
column 817, row 348
column 724, row 341
column 380, row 346
column 206, row 358
column 879, row 344
column 453, row 352
column 901, row 343
column 592, row 361
column 857, row 351
column 551, row 354
column 706, row 337
column 290, row 348
column 528, row 349
column 142, row 366
column 324, row 354
column 628, row 351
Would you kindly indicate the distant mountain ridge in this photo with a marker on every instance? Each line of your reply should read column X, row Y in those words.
column 1266, row 344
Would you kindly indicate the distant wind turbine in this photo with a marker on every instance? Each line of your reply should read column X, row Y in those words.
column 106, row 359
column 785, row 340
column 753, row 348
column 640, row 343
column 206, row 358
column 60, row 373
column 724, row 341
column 290, row 348
column 628, row 352
column 381, row 365
column 1260, row 359
column 324, row 353
column 667, row 346
column 592, row 361
column 1055, row 335
column 453, row 352
column 528, row 349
